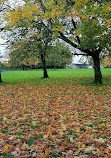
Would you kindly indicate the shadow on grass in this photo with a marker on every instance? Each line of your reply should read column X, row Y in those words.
column 58, row 81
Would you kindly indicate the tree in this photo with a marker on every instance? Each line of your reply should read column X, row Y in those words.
column 23, row 60
column 89, row 26
column 34, row 43
column 22, row 55
column 58, row 56
column 107, row 61
column 27, row 54
column 28, row 28
column 2, row 65
column 82, row 24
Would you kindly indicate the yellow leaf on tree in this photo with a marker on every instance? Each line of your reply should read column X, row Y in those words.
column 40, row 35
column 1, row 1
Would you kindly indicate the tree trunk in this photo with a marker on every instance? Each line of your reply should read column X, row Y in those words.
column 54, row 67
column 45, row 74
column 97, row 70
column 0, row 77
column 23, row 67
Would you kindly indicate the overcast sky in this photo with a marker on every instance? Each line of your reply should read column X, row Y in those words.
column 2, row 46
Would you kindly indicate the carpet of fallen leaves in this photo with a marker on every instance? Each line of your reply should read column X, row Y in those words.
column 55, row 121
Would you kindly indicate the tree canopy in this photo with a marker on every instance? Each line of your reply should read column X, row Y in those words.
column 58, row 56
column 26, row 54
column 83, row 24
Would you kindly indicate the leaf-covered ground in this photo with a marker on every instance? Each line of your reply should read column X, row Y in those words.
column 55, row 121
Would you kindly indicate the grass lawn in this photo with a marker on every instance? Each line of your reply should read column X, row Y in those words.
column 62, row 116
column 33, row 77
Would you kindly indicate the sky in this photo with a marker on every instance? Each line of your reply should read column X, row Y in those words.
column 2, row 50
column 2, row 47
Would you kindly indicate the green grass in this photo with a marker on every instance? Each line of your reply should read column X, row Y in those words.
column 58, row 76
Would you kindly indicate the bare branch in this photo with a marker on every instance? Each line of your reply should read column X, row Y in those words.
column 70, row 2
column 79, row 54
column 75, row 26
column 64, row 38
column 43, row 7
column 1, row 29
column 55, row 2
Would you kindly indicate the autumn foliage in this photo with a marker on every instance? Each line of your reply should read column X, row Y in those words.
column 55, row 121
column 82, row 24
